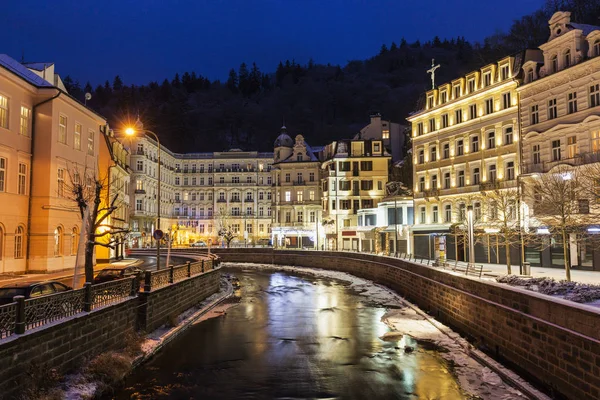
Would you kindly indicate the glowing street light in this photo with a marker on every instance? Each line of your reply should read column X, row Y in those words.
column 132, row 131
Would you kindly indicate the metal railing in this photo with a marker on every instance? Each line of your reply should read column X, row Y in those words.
column 8, row 317
column 45, row 309
column 107, row 293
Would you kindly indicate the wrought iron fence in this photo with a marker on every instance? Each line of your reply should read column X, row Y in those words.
column 180, row 273
column 42, row 310
column 112, row 292
column 8, row 316
column 159, row 279
column 196, row 268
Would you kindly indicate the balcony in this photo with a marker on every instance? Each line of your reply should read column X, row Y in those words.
column 306, row 202
column 299, row 183
column 491, row 185
column 431, row 193
column 546, row 166
column 235, row 200
column 140, row 191
column 221, row 201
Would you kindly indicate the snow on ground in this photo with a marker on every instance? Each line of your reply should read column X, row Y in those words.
column 406, row 319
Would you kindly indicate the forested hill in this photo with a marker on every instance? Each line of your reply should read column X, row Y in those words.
column 323, row 102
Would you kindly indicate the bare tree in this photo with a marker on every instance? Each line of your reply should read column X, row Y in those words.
column 88, row 194
column 561, row 202
column 224, row 228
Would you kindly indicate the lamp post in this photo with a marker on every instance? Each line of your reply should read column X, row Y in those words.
column 471, row 235
column 131, row 131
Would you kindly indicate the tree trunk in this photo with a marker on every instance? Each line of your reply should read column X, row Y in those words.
column 507, row 250
column 566, row 255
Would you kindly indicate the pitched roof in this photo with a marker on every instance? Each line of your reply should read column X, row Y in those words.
column 38, row 66
column 22, row 72
column 586, row 28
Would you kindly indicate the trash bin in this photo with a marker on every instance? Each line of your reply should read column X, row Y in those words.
column 526, row 269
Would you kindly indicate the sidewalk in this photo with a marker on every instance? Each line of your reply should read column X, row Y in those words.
column 64, row 276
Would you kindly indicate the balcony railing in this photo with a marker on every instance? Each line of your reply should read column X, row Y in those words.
column 546, row 166
column 140, row 191
column 431, row 193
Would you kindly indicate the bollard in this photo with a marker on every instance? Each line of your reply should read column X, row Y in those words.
column 170, row 273
column 147, row 281
column 20, row 317
column 189, row 269
column 87, row 297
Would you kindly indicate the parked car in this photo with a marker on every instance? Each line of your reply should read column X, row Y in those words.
column 199, row 243
column 114, row 273
column 30, row 290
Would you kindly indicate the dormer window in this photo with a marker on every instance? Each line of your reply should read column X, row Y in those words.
column 471, row 85
column 430, row 102
column 487, row 79
column 456, row 91
column 597, row 48
column 504, row 73
column 568, row 59
column 554, row 64
column 299, row 157
column 530, row 75
column 443, row 97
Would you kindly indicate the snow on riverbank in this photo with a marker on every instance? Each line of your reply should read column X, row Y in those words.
column 403, row 318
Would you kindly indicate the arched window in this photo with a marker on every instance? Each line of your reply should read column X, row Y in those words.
column 299, row 157
column 74, row 240
column 19, row 242
column 567, row 58
column 554, row 64
column 58, row 241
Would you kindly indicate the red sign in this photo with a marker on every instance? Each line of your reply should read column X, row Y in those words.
column 348, row 233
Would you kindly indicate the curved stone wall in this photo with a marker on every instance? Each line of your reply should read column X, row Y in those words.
column 553, row 341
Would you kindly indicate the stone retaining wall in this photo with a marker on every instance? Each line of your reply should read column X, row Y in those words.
column 552, row 341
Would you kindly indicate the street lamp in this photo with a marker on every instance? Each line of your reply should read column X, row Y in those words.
column 131, row 131
column 471, row 235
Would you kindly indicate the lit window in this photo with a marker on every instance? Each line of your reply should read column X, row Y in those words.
column 25, row 116
column 19, row 242
column 595, row 95
column 91, row 142
column 572, row 146
column 385, row 134
column 3, row 112
column 58, row 238
column 288, row 196
column 595, row 142
column 77, row 138
column 61, row 182
column 62, row 129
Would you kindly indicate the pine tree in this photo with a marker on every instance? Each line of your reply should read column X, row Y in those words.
column 243, row 79
column 117, row 84
column 232, row 81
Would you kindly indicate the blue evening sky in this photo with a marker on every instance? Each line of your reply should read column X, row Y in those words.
column 144, row 40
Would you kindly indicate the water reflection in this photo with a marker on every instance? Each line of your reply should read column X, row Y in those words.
column 292, row 337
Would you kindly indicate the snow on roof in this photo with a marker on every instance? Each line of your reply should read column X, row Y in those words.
column 38, row 66
column 586, row 28
column 22, row 72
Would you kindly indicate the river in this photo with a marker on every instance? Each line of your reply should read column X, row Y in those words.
column 293, row 337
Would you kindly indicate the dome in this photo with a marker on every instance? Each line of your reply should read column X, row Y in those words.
column 284, row 140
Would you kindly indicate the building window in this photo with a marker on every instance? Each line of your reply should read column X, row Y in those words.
column 595, row 143
column 477, row 211
column 530, row 76
column 421, row 183
column 24, row 126
column 433, row 154
column 506, row 100
column 366, row 165
column 423, row 215
column 510, row 170
column 567, row 58
column 300, row 196
column 556, row 150
column 311, row 195
column 385, row 134
column 443, row 97
column 473, row 111
column 77, row 137
column 572, row 146
column 3, row 112
column 430, row 102
column 19, row 242
column 460, row 147
column 474, row 144
column 311, row 177
column 462, row 214
column 487, row 79
column 90, row 147
column 61, row 182
column 534, row 115
column 444, row 120
column 62, row 129
column 595, row 95
column 448, row 213
column 446, row 151
column 508, row 135
column 22, row 186
column 504, row 72
column 432, row 125
column 138, row 205
column 434, row 182
column 288, row 196
column 461, row 178
column 58, row 242
column 597, row 48
column 447, row 180
column 2, row 174
column 419, row 129
column 456, row 91
column 421, row 156
column 491, row 140
column 434, row 214
column 554, row 64
column 313, row 216
column 492, row 173
column 572, row 103
column 489, row 106
column 476, row 178
column 140, row 165
column 471, row 85
column 458, row 116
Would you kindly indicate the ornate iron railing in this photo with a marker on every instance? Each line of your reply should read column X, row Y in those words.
column 42, row 310
column 111, row 292
column 159, row 279
column 180, row 273
column 196, row 268
column 8, row 316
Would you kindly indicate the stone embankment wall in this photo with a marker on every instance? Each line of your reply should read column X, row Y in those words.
column 552, row 341
column 65, row 344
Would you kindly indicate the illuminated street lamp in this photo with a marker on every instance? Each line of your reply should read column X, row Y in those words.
column 471, row 234
column 131, row 131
